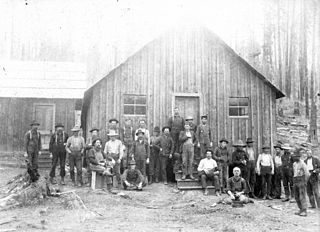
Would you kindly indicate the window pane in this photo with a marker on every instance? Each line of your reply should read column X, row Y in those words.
column 243, row 111
column 243, row 101
column 128, row 109
column 141, row 100
column 233, row 111
column 128, row 99
column 141, row 110
column 233, row 101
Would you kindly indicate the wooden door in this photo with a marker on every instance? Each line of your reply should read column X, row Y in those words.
column 188, row 106
column 45, row 115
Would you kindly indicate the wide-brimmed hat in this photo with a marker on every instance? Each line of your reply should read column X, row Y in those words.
column 166, row 127
column 223, row 140
column 204, row 116
column 58, row 125
column 34, row 122
column 189, row 118
column 249, row 140
column 94, row 129
column 139, row 132
column 76, row 128
column 112, row 133
column 239, row 143
column 95, row 140
column 156, row 129
column 113, row 120
column 132, row 162
column 278, row 145
column 297, row 152
column 286, row 146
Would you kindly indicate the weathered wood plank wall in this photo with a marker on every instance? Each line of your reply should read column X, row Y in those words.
column 17, row 113
column 188, row 62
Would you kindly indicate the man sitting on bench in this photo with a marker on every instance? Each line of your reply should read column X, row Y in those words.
column 99, row 162
column 132, row 178
column 208, row 169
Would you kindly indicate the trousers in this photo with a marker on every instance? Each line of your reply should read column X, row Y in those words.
column 75, row 160
column 61, row 156
column 276, row 182
column 187, row 158
column 251, row 175
column 266, row 184
column 223, row 174
column 287, row 178
column 116, row 168
column 313, row 192
column 141, row 166
column 300, row 195
column 161, row 167
column 209, row 176
column 33, row 158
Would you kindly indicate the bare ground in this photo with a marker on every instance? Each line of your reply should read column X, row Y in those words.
column 157, row 208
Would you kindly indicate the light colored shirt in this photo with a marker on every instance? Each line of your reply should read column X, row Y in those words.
column 75, row 144
column 146, row 134
column 207, row 164
column 300, row 169
column 265, row 160
column 114, row 147
column 250, row 152
column 277, row 161
column 309, row 164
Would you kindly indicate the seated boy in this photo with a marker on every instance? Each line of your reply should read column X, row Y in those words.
column 132, row 178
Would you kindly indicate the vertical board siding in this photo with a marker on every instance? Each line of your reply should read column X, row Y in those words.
column 189, row 62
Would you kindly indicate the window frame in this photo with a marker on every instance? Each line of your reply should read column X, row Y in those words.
column 239, row 107
column 134, row 105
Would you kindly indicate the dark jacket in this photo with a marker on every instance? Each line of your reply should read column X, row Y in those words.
column 176, row 123
column 287, row 161
column 183, row 137
column 236, row 185
column 221, row 155
column 203, row 134
column 316, row 167
column 58, row 142
column 92, row 156
column 32, row 141
column 166, row 143
column 140, row 151
column 238, row 157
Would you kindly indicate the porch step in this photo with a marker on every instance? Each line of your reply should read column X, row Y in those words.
column 211, row 189
column 178, row 175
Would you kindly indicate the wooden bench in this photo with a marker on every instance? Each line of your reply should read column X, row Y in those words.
column 99, row 181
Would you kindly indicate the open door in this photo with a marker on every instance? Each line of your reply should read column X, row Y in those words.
column 44, row 114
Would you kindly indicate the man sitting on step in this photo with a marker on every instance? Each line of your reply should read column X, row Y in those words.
column 236, row 187
column 132, row 178
column 208, row 170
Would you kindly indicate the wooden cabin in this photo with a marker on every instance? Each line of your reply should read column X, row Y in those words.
column 49, row 92
column 196, row 71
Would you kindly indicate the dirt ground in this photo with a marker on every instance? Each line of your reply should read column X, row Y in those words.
column 157, row 208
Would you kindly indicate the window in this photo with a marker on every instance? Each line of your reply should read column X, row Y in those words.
column 239, row 107
column 135, row 105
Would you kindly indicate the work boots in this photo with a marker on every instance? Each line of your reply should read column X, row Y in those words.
column 62, row 181
column 150, row 179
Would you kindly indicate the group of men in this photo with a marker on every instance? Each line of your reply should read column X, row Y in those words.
column 136, row 156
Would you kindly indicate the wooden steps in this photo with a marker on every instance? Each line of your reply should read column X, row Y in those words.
column 44, row 160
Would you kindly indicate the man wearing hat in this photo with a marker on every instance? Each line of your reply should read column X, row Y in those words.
column 142, row 127
column 132, row 178
column 75, row 148
column 265, row 168
column 313, row 165
column 251, row 166
column 239, row 158
column 287, row 172
column 127, row 135
column 32, row 142
column 277, row 177
column 154, row 154
column 141, row 152
column 222, row 156
column 189, row 120
column 176, row 124
column 114, row 149
column 300, row 178
column 113, row 126
column 208, row 170
column 57, row 149
column 203, row 135
column 165, row 145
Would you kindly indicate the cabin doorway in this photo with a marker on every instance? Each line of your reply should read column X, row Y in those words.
column 188, row 106
column 44, row 114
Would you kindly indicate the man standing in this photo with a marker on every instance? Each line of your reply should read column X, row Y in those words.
column 164, row 144
column 203, row 135
column 142, row 127
column 236, row 187
column 222, row 156
column 57, row 151
column 240, row 158
column 132, row 178
column 113, row 148
column 300, row 178
column 75, row 148
column 208, row 170
column 113, row 126
column 251, row 167
column 193, row 127
column 32, row 142
column 141, row 152
column 187, row 139
column 154, row 154
column 313, row 165
column 287, row 172
column 277, row 177
column 265, row 168
column 127, row 139
column 176, row 124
